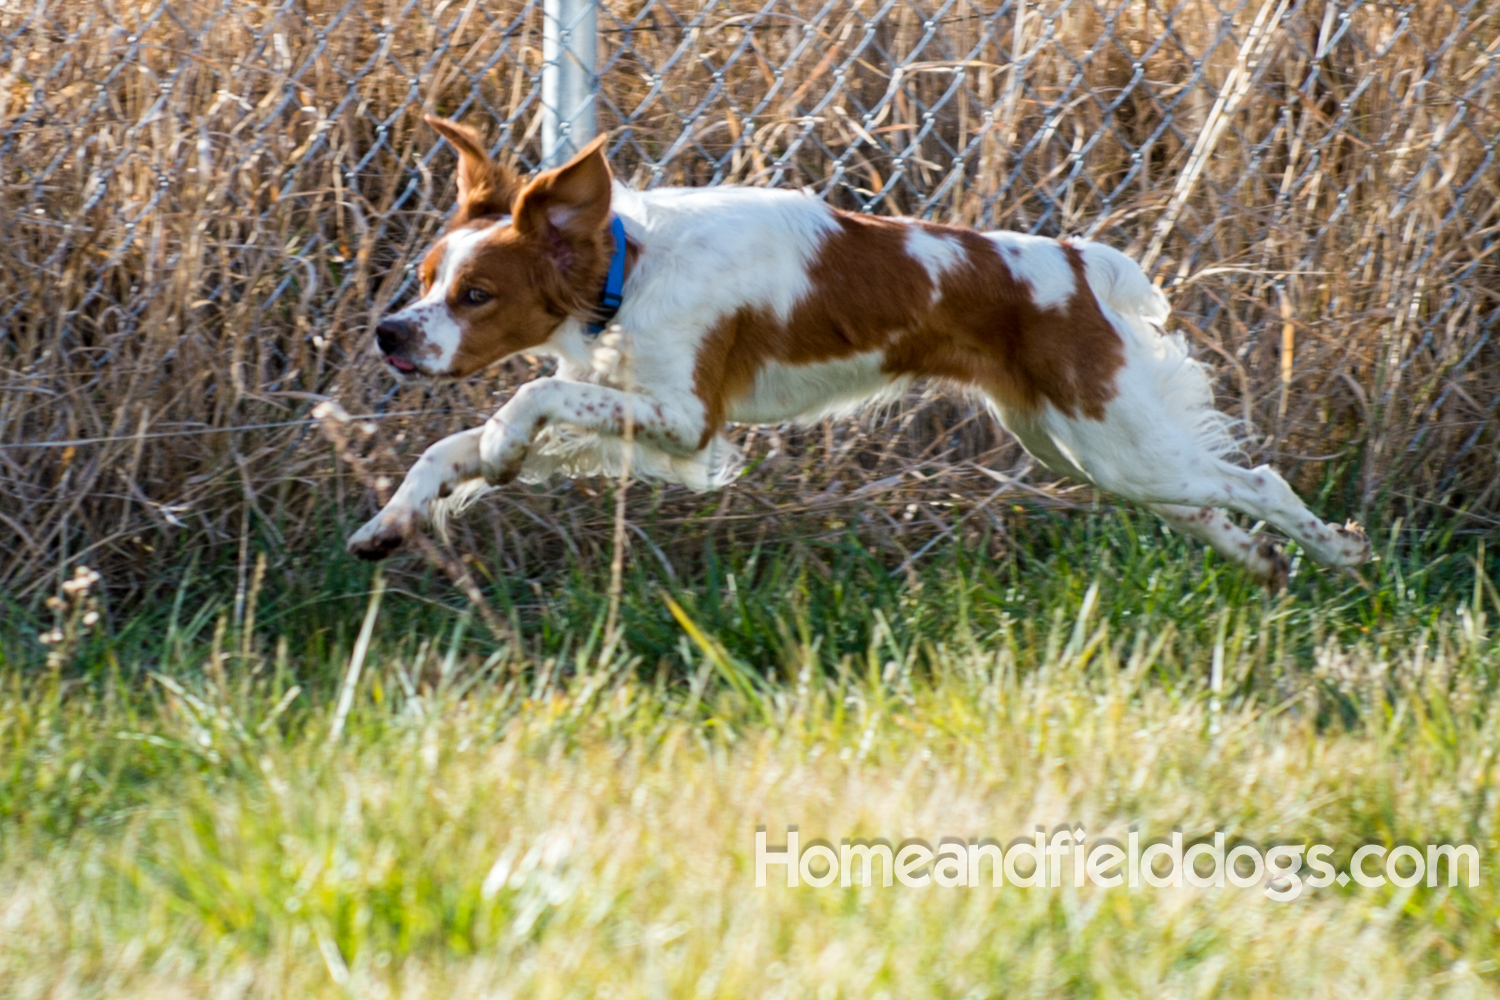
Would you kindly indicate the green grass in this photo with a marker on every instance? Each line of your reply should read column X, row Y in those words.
column 550, row 817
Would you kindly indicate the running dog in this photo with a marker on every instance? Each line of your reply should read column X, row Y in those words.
column 757, row 306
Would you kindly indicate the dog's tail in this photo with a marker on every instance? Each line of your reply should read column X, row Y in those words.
column 1139, row 312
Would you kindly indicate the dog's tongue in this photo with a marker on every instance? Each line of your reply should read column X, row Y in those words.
column 401, row 365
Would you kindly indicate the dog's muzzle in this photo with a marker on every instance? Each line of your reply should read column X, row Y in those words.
column 395, row 337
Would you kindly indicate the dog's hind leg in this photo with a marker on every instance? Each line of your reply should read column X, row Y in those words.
column 1263, row 494
column 1260, row 556
column 1204, row 521
column 443, row 467
column 1157, row 463
column 1159, row 440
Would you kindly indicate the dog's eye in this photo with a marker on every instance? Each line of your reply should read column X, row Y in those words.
column 476, row 297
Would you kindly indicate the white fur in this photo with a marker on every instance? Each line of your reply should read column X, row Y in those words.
column 937, row 254
column 452, row 462
column 1040, row 263
column 706, row 253
column 808, row 393
column 457, row 250
column 1214, row 529
column 1157, row 365
column 568, row 451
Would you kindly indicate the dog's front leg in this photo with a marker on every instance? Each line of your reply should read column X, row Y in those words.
column 508, row 435
column 497, row 450
column 442, row 467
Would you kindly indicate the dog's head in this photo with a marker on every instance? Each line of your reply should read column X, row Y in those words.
column 517, row 259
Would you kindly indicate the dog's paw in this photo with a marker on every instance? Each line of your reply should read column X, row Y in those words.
column 1354, row 543
column 382, row 535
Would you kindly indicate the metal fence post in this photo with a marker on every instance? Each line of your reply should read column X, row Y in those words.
column 569, row 54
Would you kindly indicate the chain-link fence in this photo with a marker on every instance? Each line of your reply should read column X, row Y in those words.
column 206, row 202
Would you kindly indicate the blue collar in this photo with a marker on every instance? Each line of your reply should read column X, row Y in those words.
column 614, row 285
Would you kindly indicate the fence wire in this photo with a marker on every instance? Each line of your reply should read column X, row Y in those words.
column 206, row 202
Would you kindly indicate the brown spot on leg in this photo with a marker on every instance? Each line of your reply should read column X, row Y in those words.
column 511, row 470
column 1279, row 567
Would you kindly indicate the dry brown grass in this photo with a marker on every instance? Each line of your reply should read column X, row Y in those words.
column 206, row 203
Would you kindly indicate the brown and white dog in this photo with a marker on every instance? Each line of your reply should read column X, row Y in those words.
column 757, row 306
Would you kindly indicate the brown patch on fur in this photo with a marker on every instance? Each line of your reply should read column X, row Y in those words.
column 985, row 330
column 865, row 286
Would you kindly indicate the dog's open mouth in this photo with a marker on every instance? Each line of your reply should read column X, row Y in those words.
column 402, row 365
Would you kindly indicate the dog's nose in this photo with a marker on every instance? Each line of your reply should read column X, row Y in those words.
column 393, row 334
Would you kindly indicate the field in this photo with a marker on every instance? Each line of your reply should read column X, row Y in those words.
column 531, row 759
column 190, row 809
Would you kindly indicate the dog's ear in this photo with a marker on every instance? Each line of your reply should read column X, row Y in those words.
column 484, row 186
column 569, row 203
